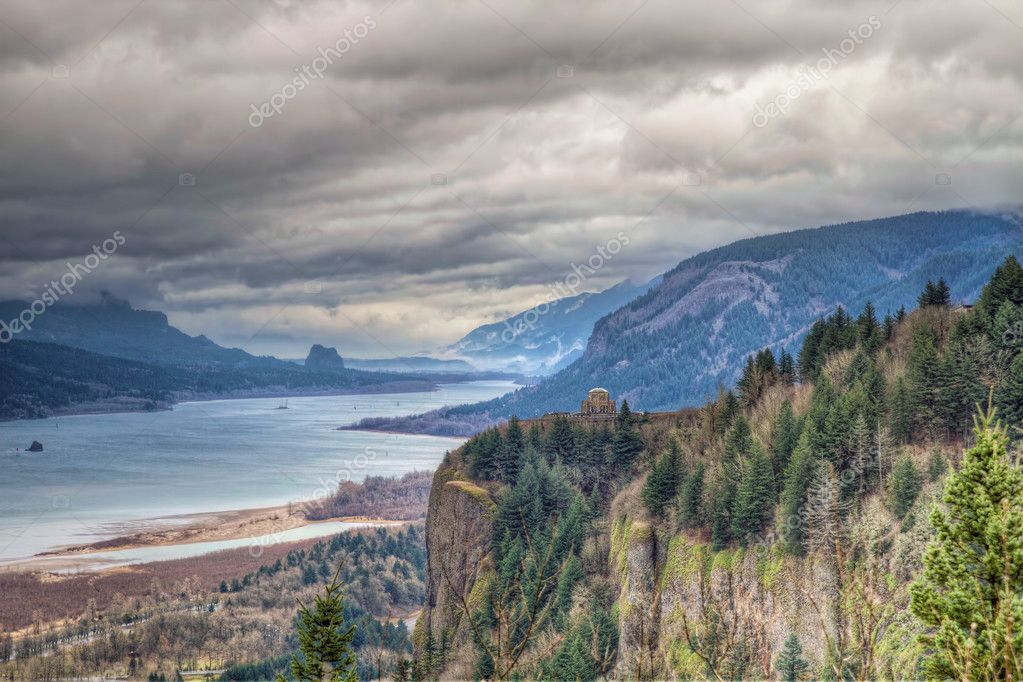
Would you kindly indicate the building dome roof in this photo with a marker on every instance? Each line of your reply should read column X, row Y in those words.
column 599, row 390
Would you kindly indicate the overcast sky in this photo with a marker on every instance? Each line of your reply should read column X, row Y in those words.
column 457, row 158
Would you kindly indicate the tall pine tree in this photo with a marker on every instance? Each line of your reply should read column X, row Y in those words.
column 325, row 644
column 969, row 595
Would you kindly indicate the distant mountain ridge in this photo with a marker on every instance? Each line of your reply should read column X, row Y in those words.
column 112, row 327
column 111, row 357
column 678, row 342
column 546, row 337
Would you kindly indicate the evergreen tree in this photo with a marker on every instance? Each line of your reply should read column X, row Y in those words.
column 721, row 521
column 868, row 331
column 1006, row 330
column 535, row 437
column 560, row 441
column 906, row 485
column 888, row 327
column 749, row 383
column 663, row 481
column 739, row 444
column 508, row 452
column 798, row 476
column 484, row 453
column 935, row 294
column 692, row 498
column 924, row 380
column 726, row 409
column 937, row 466
column 790, row 664
column 1006, row 284
column 325, row 644
column 969, row 593
column 784, row 438
column 786, row 368
column 960, row 389
column 573, row 660
column 943, row 294
column 626, row 444
column 754, row 502
column 308, row 575
column 539, row 493
column 1009, row 397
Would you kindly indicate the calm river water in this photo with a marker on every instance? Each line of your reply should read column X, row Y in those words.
column 102, row 475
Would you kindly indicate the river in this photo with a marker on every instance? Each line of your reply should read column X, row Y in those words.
column 100, row 476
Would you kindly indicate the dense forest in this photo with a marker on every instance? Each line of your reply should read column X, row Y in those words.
column 784, row 530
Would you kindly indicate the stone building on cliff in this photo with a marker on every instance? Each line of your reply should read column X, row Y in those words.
column 598, row 402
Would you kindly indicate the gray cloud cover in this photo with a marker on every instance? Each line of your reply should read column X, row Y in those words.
column 328, row 223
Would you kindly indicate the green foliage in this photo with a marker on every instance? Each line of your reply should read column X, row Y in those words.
column 626, row 444
column 664, row 480
column 924, row 374
column 834, row 333
column 790, row 664
column 1006, row 284
column 760, row 373
column 324, row 641
column 691, row 505
column 1009, row 396
column 539, row 493
column 937, row 465
column 509, row 454
column 785, row 437
column 560, row 442
column 754, row 503
column 798, row 476
column 905, row 486
column 935, row 294
column 970, row 595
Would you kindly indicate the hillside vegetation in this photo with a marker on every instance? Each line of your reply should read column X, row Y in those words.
column 773, row 533
column 692, row 332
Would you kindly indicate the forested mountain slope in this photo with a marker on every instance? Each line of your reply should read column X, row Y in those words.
column 785, row 530
column 693, row 331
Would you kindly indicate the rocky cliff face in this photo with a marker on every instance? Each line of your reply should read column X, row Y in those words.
column 458, row 531
column 321, row 359
column 673, row 591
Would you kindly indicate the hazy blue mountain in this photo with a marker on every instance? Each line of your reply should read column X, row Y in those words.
column 112, row 327
column 544, row 338
column 693, row 331
column 414, row 363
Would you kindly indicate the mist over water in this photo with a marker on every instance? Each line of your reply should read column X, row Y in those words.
column 100, row 476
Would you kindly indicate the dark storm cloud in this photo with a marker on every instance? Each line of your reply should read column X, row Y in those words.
column 463, row 155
